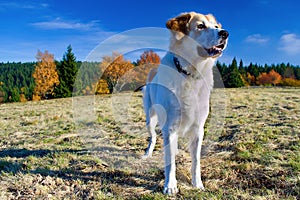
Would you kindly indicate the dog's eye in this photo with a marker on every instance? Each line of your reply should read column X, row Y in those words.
column 216, row 26
column 201, row 26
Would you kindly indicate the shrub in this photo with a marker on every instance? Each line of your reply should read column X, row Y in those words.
column 290, row 82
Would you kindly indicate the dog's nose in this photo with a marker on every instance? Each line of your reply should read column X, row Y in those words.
column 224, row 34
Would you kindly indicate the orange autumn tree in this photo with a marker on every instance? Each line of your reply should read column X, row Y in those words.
column 149, row 57
column 114, row 69
column 271, row 78
column 45, row 76
column 274, row 77
column 147, row 61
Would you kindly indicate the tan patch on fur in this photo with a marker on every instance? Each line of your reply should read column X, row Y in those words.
column 182, row 22
column 179, row 23
column 212, row 20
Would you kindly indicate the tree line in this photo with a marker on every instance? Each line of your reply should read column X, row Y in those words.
column 16, row 81
column 239, row 75
column 47, row 78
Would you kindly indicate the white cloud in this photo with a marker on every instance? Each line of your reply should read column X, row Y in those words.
column 62, row 24
column 22, row 5
column 131, row 41
column 44, row 5
column 257, row 38
column 24, row 49
column 290, row 43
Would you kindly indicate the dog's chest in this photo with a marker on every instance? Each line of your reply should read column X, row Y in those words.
column 193, row 92
column 194, row 97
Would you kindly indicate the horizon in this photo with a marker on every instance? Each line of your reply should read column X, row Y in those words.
column 261, row 31
column 132, row 61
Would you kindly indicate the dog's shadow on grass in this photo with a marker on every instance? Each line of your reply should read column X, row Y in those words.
column 105, row 175
column 18, row 154
column 22, row 153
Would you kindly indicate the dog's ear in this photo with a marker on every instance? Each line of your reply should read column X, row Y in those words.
column 180, row 23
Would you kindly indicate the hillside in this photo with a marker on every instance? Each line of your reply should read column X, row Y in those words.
column 45, row 154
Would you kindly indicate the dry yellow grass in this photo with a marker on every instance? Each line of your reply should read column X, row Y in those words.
column 90, row 148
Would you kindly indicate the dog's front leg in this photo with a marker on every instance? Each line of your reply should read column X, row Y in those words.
column 170, row 148
column 195, row 149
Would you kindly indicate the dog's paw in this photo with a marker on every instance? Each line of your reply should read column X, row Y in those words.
column 171, row 190
column 199, row 185
column 146, row 156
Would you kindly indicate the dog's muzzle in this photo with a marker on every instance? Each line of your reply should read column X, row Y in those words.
column 217, row 50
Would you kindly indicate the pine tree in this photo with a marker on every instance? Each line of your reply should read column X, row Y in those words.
column 15, row 96
column 242, row 68
column 234, row 79
column 297, row 72
column 253, row 70
column 67, row 70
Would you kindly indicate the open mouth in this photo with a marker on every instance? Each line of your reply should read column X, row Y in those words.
column 215, row 50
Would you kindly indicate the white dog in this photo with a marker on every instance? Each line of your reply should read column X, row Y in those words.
column 177, row 94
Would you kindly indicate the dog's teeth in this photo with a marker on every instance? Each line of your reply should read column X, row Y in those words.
column 214, row 50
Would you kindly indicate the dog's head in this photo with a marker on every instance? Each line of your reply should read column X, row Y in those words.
column 211, row 39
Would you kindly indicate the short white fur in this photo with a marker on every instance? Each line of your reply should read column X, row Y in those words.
column 179, row 103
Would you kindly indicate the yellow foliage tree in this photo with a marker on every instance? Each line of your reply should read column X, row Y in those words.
column 290, row 82
column 250, row 79
column 102, row 87
column 114, row 68
column 22, row 95
column 45, row 76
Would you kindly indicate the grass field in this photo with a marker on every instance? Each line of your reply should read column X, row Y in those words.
column 45, row 154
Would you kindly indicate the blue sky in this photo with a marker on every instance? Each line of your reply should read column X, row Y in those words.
column 261, row 31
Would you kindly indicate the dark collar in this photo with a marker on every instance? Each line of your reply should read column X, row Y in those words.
column 179, row 67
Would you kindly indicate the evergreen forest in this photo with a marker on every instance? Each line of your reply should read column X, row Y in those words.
column 47, row 78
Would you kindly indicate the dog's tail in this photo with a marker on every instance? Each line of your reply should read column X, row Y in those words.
column 140, row 88
column 151, row 75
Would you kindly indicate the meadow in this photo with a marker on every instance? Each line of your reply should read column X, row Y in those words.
column 90, row 148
